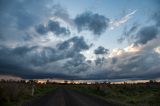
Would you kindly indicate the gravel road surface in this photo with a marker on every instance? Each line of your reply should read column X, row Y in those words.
column 67, row 97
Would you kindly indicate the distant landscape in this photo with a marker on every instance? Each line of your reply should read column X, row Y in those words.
column 15, row 93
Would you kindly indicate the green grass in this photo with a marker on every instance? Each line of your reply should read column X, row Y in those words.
column 14, row 94
column 132, row 95
column 42, row 89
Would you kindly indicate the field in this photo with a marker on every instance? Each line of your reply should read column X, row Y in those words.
column 126, row 94
column 141, row 94
column 15, row 93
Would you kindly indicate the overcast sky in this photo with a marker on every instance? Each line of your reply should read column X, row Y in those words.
column 80, row 39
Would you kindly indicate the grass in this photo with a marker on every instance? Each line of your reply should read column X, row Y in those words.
column 15, row 93
column 129, row 94
column 148, row 94
column 44, row 88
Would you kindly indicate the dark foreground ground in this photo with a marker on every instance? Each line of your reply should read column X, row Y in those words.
column 67, row 97
column 55, row 94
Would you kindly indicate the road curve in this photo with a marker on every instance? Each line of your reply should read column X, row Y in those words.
column 66, row 97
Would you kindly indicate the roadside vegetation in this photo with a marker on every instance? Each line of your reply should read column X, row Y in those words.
column 15, row 93
column 141, row 94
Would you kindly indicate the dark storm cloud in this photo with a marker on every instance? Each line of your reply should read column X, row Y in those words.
column 92, row 22
column 22, row 56
column 29, row 73
column 101, row 50
column 114, row 60
column 146, row 34
column 21, row 60
column 100, row 61
column 62, row 13
column 72, row 47
column 11, row 61
column 24, row 60
column 128, row 34
column 22, row 13
column 40, row 55
column 76, row 43
column 130, row 66
column 77, row 60
column 156, row 17
column 20, row 16
column 53, row 26
column 41, row 29
column 136, row 64
column 77, row 64
column 141, row 35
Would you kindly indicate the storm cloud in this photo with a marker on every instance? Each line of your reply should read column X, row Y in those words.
column 128, row 34
column 76, row 43
column 146, row 34
column 23, row 14
column 156, row 18
column 36, row 58
column 77, row 64
column 57, row 29
column 43, row 39
column 101, row 50
column 92, row 22
column 41, row 29
column 140, row 35
column 53, row 26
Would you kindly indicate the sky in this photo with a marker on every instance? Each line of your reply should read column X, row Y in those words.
column 80, row 39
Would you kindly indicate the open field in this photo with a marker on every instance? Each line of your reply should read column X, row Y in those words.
column 126, row 94
column 68, row 97
column 141, row 94
column 15, row 93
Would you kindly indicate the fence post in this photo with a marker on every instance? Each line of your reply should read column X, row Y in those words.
column 33, row 86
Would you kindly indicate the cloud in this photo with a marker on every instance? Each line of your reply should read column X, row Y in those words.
column 30, row 62
column 41, row 29
column 146, row 34
column 100, row 61
column 130, row 65
column 157, row 50
column 142, row 35
column 57, row 29
column 77, row 64
column 53, row 26
column 62, row 13
column 25, row 53
column 26, row 61
column 22, row 16
column 92, row 22
column 123, row 20
column 128, row 34
column 75, row 43
column 22, row 13
column 156, row 18
column 135, row 64
column 101, row 50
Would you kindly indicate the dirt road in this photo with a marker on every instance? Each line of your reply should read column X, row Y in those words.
column 66, row 97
